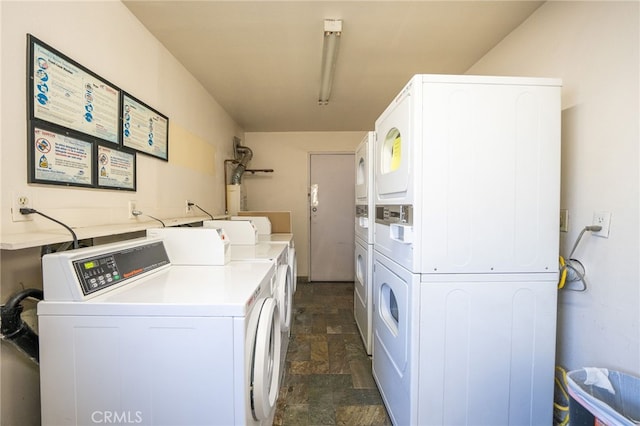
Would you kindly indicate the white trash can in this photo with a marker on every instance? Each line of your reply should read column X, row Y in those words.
column 611, row 398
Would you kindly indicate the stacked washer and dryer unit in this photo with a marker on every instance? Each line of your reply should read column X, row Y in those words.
column 467, row 189
column 364, row 201
column 127, row 336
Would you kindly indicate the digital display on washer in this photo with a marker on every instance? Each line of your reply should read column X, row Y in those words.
column 102, row 271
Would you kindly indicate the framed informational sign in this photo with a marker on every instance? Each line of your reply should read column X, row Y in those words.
column 144, row 129
column 116, row 168
column 64, row 93
column 60, row 158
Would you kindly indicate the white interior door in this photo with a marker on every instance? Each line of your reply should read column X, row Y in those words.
column 332, row 215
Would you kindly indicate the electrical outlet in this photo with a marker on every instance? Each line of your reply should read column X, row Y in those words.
column 564, row 220
column 602, row 219
column 188, row 207
column 132, row 207
column 21, row 200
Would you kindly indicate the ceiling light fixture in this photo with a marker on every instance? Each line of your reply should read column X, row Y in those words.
column 332, row 33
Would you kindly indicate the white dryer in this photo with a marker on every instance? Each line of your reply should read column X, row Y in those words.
column 364, row 195
column 364, row 203
column 126, row 337
column 466, row 167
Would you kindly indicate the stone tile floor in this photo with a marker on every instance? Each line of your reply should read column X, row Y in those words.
column 328, row 377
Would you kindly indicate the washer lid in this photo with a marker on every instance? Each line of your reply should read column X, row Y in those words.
column 227, row 290
column 277, row 238
column 260, row 251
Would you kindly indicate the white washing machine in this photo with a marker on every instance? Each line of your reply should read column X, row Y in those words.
column 264, row 234
column 395, row 334
column 285, row 238
column 247, row 244
column 467, row 185
column 364, row 198
column 197, row 246
column 262, row 223
column 278, row 254
column 194, row 246
column 127, row 337
column 238, row 232
column 363, row 291
column 293, row 264
column 241, row 231
column 451, row 351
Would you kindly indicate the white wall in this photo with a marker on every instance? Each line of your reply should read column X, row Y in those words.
column 594, row 47
column 287, row 188
column 106, row 38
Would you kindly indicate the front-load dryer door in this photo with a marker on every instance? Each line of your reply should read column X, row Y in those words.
column 363, row 170
column 362, row 291
column 393, row 151
column 265, row 366
column 364, row 188
column 395, row 333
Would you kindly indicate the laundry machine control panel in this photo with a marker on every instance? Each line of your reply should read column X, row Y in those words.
column 99, row 272
column 388, row 214
column 362, row 210
column 79, row 274
column 394, row 227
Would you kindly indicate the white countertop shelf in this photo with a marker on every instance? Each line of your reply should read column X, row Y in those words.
column 54, row 236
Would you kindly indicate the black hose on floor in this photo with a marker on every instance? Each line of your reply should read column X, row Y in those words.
column 14, row 330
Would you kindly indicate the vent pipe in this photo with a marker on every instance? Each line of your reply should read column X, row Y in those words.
column 243, row 155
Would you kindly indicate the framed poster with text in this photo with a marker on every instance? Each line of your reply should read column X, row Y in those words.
column 60, row 158
column 144, row 129
column 64, row 93
column 116, row 168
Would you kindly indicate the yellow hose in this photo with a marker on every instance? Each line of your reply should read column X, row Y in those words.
column 562, row 385
column 563, row 273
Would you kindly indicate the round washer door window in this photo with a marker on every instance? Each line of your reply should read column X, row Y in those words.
column 265, row 372
column 285, row 296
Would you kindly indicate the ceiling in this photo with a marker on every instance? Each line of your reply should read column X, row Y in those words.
column 261, row 59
